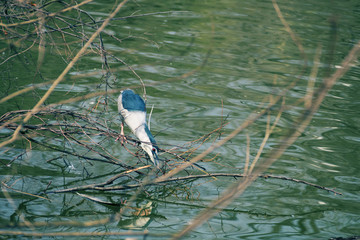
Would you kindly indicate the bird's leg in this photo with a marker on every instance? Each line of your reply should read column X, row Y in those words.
column 123, row 138
column 122, row 135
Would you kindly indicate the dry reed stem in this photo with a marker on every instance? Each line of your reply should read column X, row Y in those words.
column 247, row 159
column 267, row 135
column 311, row 83
column 291, row 32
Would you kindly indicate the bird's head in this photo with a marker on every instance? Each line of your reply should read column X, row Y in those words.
column 152, row 151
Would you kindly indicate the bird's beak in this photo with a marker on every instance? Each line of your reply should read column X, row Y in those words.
column 152, row 154
column 155, row 159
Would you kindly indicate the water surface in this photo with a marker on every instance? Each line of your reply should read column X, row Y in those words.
column 248, row 56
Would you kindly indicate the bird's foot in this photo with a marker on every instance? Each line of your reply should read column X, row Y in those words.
column 122, row 139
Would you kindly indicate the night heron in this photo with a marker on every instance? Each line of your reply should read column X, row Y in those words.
column 133, row 112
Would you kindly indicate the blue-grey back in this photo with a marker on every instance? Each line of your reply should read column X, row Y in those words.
column 132, row 101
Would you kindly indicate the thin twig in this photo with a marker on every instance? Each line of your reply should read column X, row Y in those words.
column 267, row 135
column 102, row 186
column 49, row 15
column 247, row 159
column 290, row 31
column 311, row 83
column 21, row 192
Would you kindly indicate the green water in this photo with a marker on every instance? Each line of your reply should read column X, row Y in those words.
column 248, row 56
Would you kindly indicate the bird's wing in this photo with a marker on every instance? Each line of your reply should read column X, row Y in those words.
column 151, row 137
column 132, row 102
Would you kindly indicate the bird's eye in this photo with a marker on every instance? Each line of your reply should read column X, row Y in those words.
column 154, row 150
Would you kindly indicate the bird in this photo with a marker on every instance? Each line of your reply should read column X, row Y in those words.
column 132, row 110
